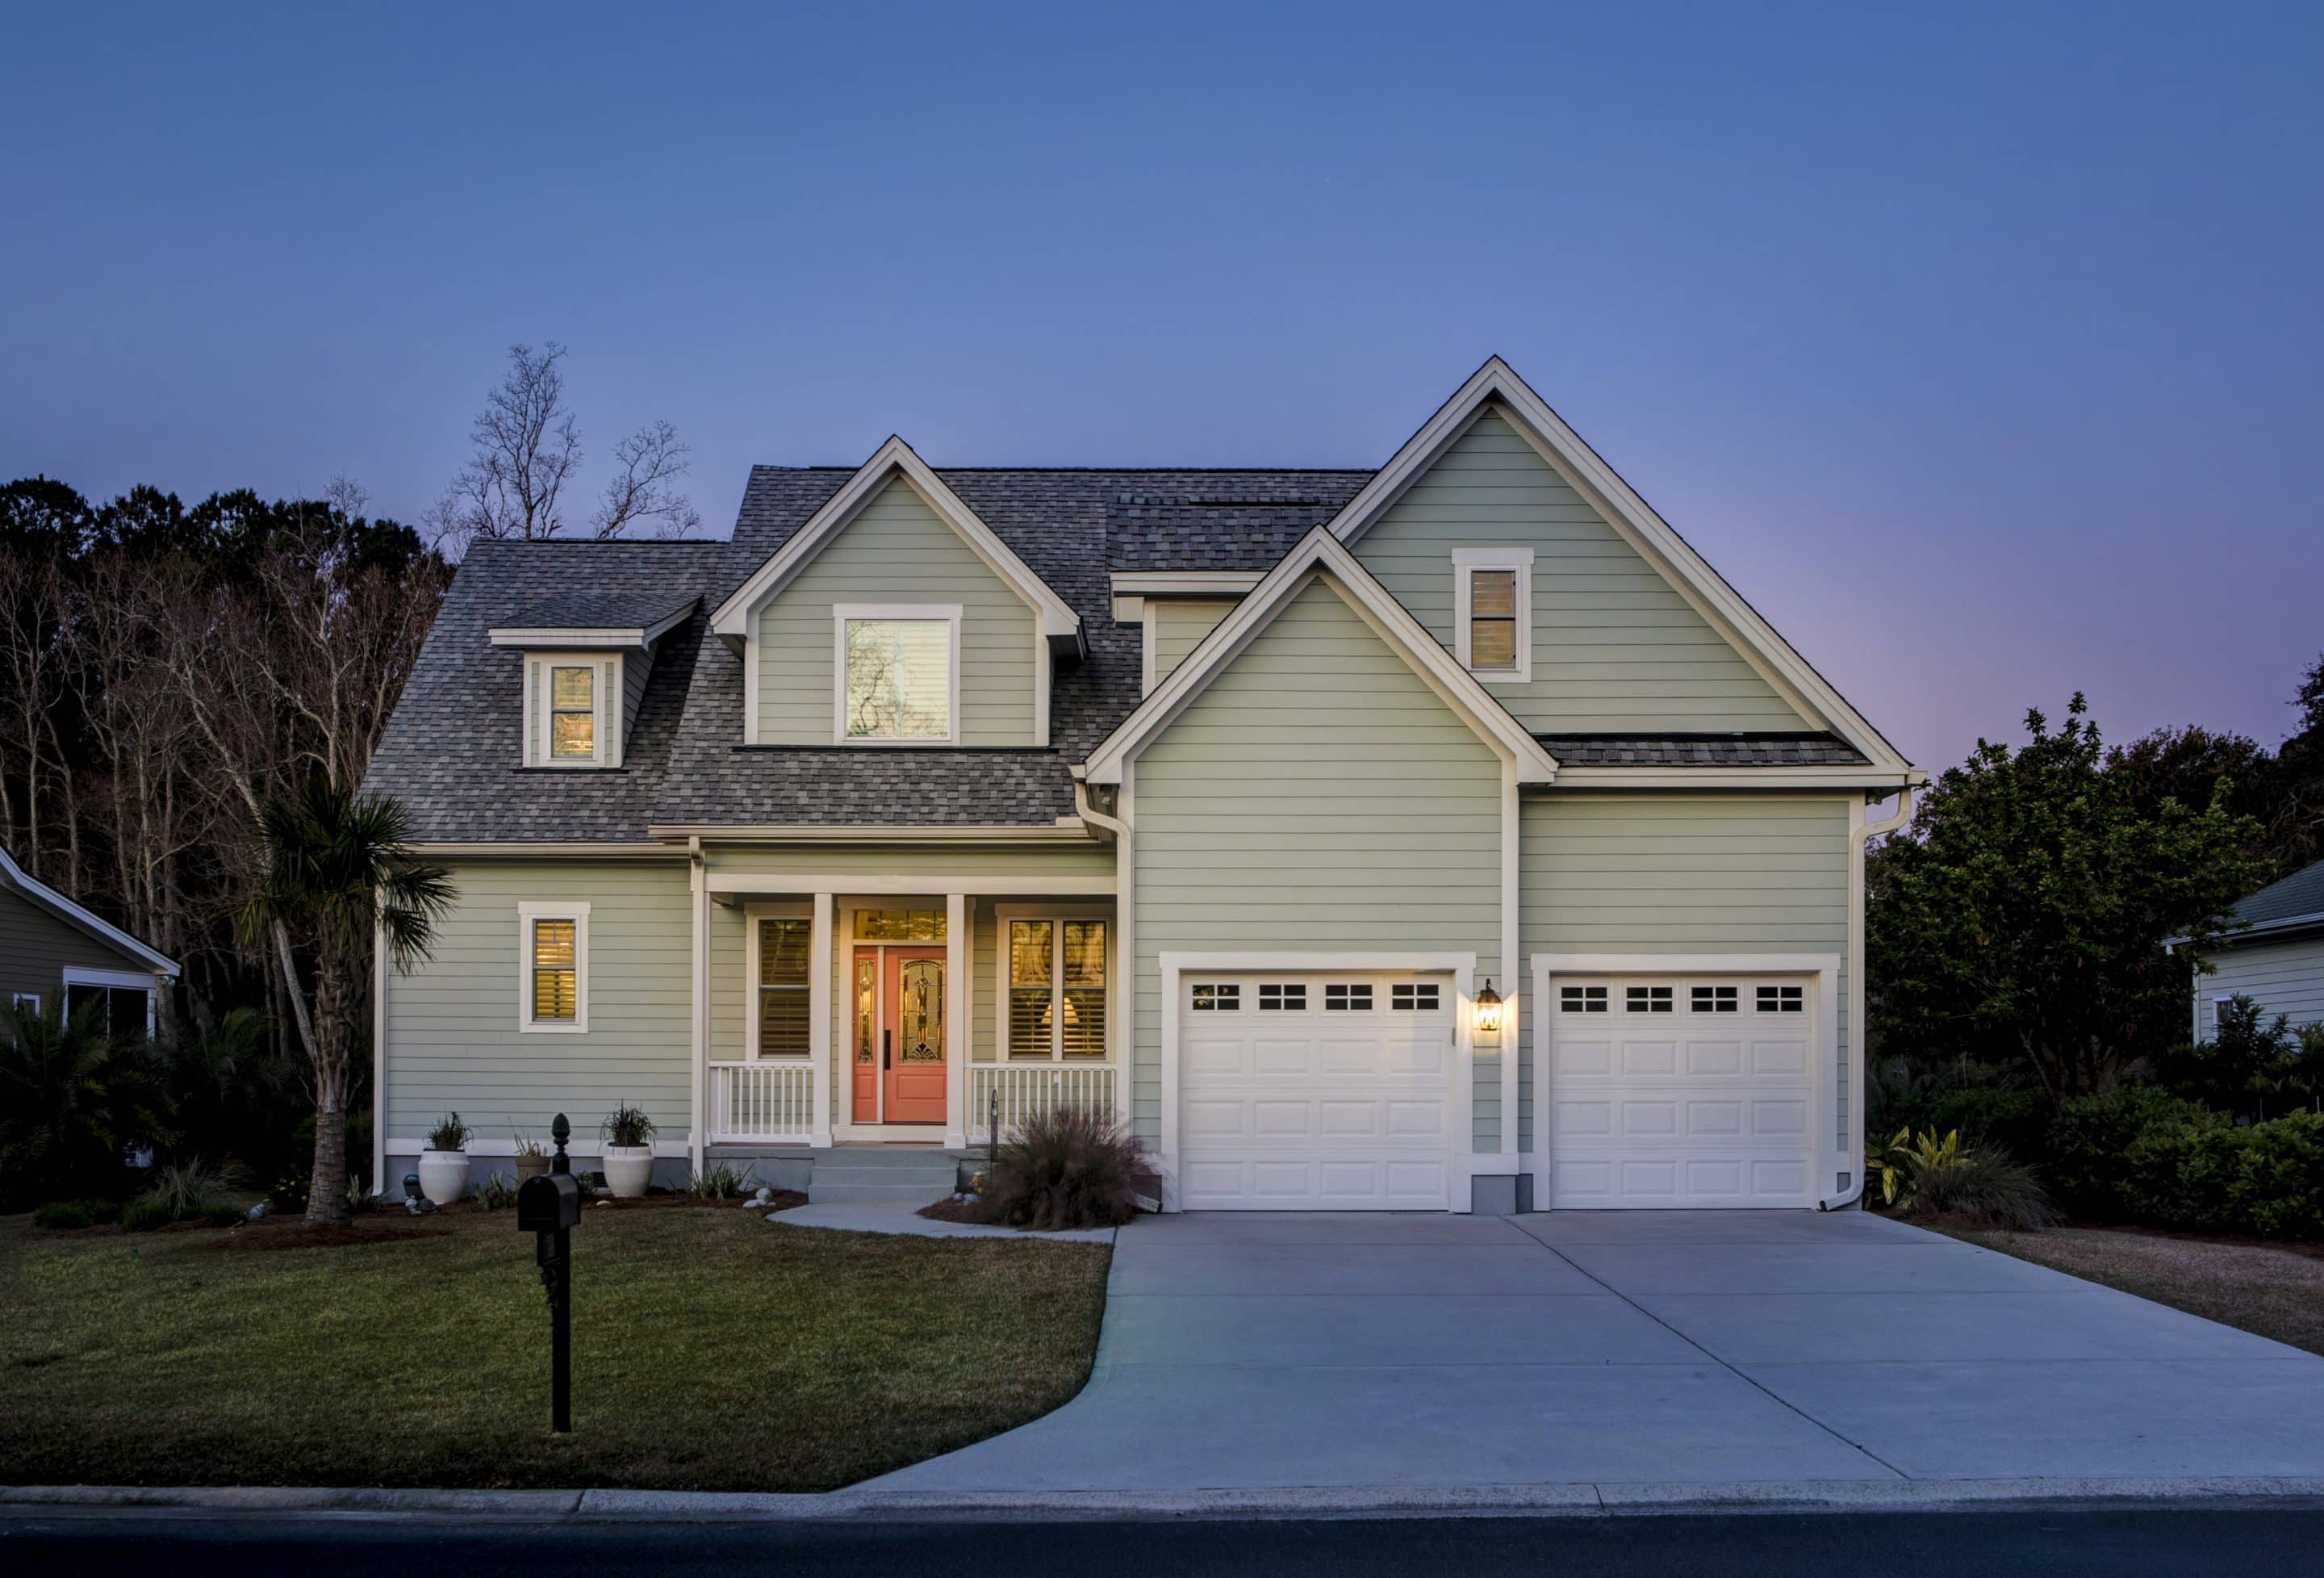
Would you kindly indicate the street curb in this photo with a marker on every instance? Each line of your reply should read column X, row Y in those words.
column 1541, row 1501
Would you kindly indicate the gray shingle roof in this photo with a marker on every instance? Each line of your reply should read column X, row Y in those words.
column 604, row 608
column 452, row 749
column 1740, row 750
column 2300, row 894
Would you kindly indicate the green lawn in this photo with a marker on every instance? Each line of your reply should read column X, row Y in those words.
column 712, row 1351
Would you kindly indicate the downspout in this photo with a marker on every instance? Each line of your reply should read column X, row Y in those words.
column 1859, row 1060
column 1090, row 813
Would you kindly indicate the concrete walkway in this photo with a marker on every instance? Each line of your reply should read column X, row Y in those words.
column 908, row 1220
column 1283, row 1351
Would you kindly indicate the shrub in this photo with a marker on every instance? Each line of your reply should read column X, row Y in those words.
column 102, row 1212
column 223, row 1215
column 450, row 1133
column 723, row 1181
column 2278, row 1191
column 627, row 1126
column 146, row 1215
column 70, row 1098
column 2089, row 1149
column 194, row 1188
column 61, row 1216
column 1066, row 1170
column 1980, row 1183
column 496, row 1193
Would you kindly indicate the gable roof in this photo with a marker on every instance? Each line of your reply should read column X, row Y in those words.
column 634, row 618
column 2297, row 901
column 1496, row 385
column 894, row 458
column 17, row 880
column 1391, row 619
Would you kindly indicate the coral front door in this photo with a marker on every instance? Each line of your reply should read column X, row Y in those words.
column 911, row 1038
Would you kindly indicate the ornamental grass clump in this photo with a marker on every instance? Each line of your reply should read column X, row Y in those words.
column 1977, row 1185
column 1068, row 1169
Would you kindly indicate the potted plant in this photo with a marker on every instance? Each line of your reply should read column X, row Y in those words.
column 444, row 1165
column 531, row 1160
column 628, row 1151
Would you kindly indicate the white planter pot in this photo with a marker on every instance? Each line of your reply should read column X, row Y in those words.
column 444, row 1175
column 627, row 1168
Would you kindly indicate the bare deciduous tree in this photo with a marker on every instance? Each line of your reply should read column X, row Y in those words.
column 528, row 447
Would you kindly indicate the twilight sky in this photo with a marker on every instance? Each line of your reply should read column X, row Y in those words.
column 1983, row 351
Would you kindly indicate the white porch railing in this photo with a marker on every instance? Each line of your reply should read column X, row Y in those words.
column 762, row 1102
column 1027, row 1089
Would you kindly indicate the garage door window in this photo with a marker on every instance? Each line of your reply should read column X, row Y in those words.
column 1713, row 999
column 1782, row 999
column 1217, row 997
column 1343, row 997
column 1646, row 1000
column 1414, row 997
column 1290, row 996
column 1581, row 1000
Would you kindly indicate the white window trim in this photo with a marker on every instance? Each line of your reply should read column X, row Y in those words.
column 576, row 911
column 1002, row 914
column 752, row 915
column 1520, row 561
column 26, row 1001
column 114, row 980
column 611, row 703
column 841, row 612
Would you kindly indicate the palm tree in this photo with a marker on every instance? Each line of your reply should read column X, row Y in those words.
column 72, row 1096
column 340, row 873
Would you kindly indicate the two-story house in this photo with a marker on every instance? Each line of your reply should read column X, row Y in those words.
column 1447, row 836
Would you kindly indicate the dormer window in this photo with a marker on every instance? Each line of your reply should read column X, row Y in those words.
column 573, row 709
column 1492, row 613
column 899, row 674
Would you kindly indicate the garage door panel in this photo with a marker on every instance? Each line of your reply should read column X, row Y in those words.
column 1320, row 1107
column 1690, row 1106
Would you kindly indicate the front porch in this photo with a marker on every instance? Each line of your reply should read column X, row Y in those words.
column 881, row 1014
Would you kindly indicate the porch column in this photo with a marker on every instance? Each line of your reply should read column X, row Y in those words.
column 819, row 1020
column 961, row 1035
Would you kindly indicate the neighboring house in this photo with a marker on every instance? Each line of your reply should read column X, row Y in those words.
column 1446, row 836
column 2276, row 960
column 52, row 948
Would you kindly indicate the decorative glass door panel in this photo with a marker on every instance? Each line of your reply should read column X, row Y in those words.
column 863, row 1064
column 913, row 1051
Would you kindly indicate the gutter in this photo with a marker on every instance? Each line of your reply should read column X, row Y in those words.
column 1110, row 826
column 1861, row 1063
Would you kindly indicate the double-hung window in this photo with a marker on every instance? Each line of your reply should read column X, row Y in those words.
column 1056, row 985
column 899, row 674
column 553, row 974
column 779, row 985
column 575, row 704
column 1492, row 613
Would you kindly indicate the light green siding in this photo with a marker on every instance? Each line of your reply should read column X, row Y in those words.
column 1316, row 795
column 897, row 550
column 1687, row 874
column 1614, row 645
column 453, row 1043
column 1179, row 625
column 36, row 949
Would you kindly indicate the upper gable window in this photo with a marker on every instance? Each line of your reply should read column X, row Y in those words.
column 1492, row 613
column 899, row 674
column 575, row 704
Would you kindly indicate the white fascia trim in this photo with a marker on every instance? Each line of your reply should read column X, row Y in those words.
column 1065, row 830
column 884, row 885
column 737, row 614
column 1184, row 583
column 1461, row 1075
column 32, row 889
column 1652, row 536
column 1887, row 779
column 576, row 910
column 547, row 850
column 1519, row 559
column 925, row 613
column 1149, row 632
column 1319, row 551
column 635, row 637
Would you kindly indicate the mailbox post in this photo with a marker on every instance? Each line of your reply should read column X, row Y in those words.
column 548, row 1207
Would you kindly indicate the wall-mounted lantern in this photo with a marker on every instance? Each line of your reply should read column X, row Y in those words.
column 1488, row 1012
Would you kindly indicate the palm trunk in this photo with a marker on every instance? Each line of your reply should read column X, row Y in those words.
column 327, row 1189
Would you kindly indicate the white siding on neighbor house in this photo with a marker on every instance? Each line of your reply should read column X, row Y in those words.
column 896, row 549
column 1614, row 646
column 1686, row 873
column 2282, row 977
column 1317, row 795
column 453, row 1043
column 1180, row 624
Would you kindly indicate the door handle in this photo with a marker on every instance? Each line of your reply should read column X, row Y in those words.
column 885, row 1046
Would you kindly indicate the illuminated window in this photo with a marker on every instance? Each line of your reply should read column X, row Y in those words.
column 554, row 939
column 899, row 677
column 782, row 988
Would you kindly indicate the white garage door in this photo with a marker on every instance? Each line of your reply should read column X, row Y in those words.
column 1305, row 1091
column 1681, row 1091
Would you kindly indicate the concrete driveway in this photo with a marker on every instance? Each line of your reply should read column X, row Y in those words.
column 1253, row 1351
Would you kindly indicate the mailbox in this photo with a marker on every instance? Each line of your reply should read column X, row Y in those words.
column 550, row 1203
